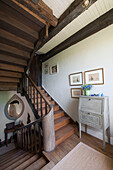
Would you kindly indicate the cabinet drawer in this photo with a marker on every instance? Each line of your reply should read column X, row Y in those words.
column 91, row 105
column 91, row 119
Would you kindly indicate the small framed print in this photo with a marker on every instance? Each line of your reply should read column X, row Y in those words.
column 76, row 92
column 46, row 68
column 94, row 77
column 76, row 79
column 54, row 69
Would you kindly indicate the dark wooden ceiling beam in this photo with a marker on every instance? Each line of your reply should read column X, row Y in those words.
column 7, row 36
column 17, row 15
column 15, row 51
column 6, row 86
column 92, row 28
column 74, row 10
column 10, row 74
column 15, row 25
column 8, row 79
column 34, row 10
column 11, row 68
column 12, row 60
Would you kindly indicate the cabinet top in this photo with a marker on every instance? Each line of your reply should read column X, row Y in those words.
column 94, row 97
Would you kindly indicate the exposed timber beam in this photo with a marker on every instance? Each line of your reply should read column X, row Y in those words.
column 8, row 79
column 10, row 74
column 12, row 60
column 95, row 26
column 17, row 26
column 15, row 14
column 39, row 11
column 7, row 36
column 8, row 86
column 74, row 10
column 11, row 68
column 14, row 51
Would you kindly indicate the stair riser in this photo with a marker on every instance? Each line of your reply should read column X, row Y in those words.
column 61, row 124
column 56, row 116
column 64, row 137
column 43, row 104
column 55, row 108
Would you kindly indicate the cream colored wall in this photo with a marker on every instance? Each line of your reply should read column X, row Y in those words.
column 4, row 98
column 91, row 53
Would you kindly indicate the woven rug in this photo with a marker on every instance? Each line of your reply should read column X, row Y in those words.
column 83, row 157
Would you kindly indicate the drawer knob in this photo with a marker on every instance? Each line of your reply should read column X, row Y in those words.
column 89, row 99
column 88, row 113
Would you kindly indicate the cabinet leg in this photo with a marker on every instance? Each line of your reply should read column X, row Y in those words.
column 104, row 132
column 79, row 130
column 109, row 134
column 86, row 128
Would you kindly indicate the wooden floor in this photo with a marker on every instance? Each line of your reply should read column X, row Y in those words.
column 65, row 147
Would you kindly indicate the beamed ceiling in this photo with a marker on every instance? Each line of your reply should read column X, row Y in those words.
column 45, row 28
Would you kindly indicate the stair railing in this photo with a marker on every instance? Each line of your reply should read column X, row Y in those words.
column 44, row 110
column 29, row 137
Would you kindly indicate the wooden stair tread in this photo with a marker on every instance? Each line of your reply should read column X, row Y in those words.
column 14, row 160
column 37, row 164
column 58, row 111
column 27, row 163
column 60, row 122
column 58, row 114
column 16, row 164
column 49, row 166
column 63, row 133
column 61, row 119
column 12, row 157
column 8, row 154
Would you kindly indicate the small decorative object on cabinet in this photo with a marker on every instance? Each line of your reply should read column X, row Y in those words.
column 87, row 88
column 94, row 112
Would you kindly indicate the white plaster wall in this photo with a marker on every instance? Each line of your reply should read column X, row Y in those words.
column 4, row 98
column 94, row 52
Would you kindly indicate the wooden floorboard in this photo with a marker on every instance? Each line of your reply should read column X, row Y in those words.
column 64, row 148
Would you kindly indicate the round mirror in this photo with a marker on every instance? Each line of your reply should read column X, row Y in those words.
column 14, row 108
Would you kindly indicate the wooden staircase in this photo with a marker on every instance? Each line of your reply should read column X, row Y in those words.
column 17, row 159
column 64, row 126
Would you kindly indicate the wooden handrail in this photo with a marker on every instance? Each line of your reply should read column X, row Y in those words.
column 37, row 88
column 30, row 124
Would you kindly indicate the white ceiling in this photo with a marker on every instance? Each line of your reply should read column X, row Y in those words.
column 96, row 10
column 58, row 6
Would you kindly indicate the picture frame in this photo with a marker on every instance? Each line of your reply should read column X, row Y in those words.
column 94, row 77
column 54, row 69
column 76, row 92
column 76, row 79
column 46, row 68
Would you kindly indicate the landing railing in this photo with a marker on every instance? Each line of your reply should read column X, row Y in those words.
column 43, row 110
column 29, row 137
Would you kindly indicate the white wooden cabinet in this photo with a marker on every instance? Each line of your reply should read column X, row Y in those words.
column 94, row 112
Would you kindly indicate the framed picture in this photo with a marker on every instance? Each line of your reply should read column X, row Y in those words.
column 46, row 68
column 76, row 79
column 54, row 69
column 95, row 77
column 76, row 92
